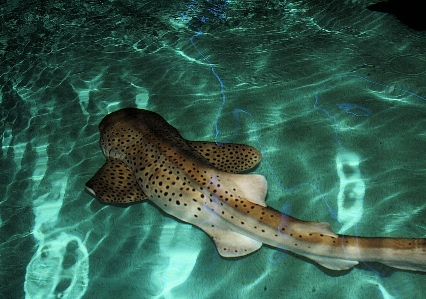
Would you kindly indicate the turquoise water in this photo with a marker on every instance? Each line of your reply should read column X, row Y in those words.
column 332, row 94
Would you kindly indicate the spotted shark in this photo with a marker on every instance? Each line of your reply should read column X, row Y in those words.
column 201, row 183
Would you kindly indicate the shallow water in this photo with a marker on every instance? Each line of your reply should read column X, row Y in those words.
column 332, row 94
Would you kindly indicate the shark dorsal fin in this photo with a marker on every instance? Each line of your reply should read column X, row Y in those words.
column 228, row 157
column 115, row 183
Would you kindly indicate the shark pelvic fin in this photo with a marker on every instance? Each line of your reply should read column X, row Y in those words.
column 115, row 183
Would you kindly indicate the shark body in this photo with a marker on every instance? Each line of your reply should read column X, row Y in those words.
column 198, row 183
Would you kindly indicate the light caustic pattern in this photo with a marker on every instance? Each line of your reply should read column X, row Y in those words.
column 210, row 11
column 351, row 194
column 59, row 269
column 60, row 266
column 181, row 258
column 350, row 199
column 352, row 186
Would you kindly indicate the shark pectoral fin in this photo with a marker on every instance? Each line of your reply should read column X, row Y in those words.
column 115, row 183
column 252, row 187
column 332, row 263
column 228, row 157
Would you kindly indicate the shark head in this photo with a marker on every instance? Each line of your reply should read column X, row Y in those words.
column 136, row 140
column 118, row 135
column 128, row 130
column 122, row 137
